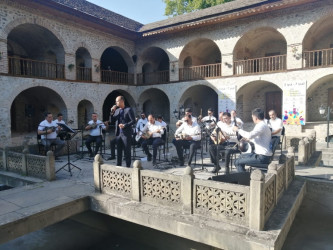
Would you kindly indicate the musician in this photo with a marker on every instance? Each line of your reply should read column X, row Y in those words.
column 48, row 129
column 152, row 135
column 125, row 120
column 261, row 137
column 210, row 117
column 95, row 127
column 227, row 142
column 61, row 133
column 275, row 124
column 141, row 122
column 188, row 111
column 238, row 121
column 187, row 135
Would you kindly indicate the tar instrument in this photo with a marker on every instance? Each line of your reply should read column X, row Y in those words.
column 217, row 136
column 52, row 128
column 94, row 125
column 146, row 135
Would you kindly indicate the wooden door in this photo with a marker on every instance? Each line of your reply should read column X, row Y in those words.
column 274, row 101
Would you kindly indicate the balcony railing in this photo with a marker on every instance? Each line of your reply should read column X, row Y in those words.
column 83, row 74
column 200, row 72
column 109, row 76
column 317, row 58
column 158, row 77
column 259, row 65
column 39, row 69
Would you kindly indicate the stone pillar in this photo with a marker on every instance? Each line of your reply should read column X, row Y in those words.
column 96, row 70
column 301, row 152
column 50, row 166
column 294, row 56
column 136, row 188
column 187, row 190
column 4, row 158
column 313, row 134
column 272, row 169
column 3, row 56
column 98, row 161
column 257, row 199
column 174, row 71
column 24, row 161
column 70, row 67
column 227, row 64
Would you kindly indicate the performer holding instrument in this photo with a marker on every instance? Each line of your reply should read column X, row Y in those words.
column 48, row 129
column 188, row 111
column 152, row 135
column 187, row 135
column 209, row 120
column 95, row 127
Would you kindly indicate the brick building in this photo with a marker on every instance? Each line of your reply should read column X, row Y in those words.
column 74, row 57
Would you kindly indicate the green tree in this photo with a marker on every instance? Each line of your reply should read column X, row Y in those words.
column 178, row 7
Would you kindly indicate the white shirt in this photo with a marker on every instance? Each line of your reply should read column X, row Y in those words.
column 162, row 123
column 211, row 118
column 191, row 130
column 45, row 124
column 62, row 121
column 140, row 124
column 152, row 128
column 227, row 129
column 239, row 122
column 96, row 131
column 261, row 137
column 275, row 125
column 194, row 119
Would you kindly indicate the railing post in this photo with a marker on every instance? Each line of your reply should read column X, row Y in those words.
column 4, row 158
column 98, row 161
column 187, row 190
column 136, row 179
column 301, row 151
column 257, row 199
column 50, row 166
column 24, row 161
column 272, row 169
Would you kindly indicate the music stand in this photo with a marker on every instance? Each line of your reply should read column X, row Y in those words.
column 68, row 138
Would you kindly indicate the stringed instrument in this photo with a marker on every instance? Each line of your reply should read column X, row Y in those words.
column 218, row 136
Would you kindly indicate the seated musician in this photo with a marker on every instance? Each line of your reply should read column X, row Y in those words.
column 164, row 126
column 152, row 133
column 227, row 141
column 209, row 120
column 95, row 127
column 275, row 124
column 61, row 134
column 187, row 135
column 261, row 138
column 236, row 119
column 139, row 127
column 48, row 129
column 188, row 111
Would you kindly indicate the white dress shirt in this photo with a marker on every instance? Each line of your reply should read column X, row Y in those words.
column 153, row 128
column 45, row 124
column 209, row 118
column 96, row 131
column 227, row 129
column 275, row 125
column 192, row 130
column 261, row 137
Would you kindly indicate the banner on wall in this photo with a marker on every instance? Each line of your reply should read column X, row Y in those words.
column 294, row 103
column 226, row 98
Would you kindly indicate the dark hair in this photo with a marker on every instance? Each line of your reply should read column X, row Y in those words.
column 259, row 113
column 188, row 110
column 160, row 117
column 211, row 110
column 94, row 113
column 60, row 114
column 226, row 113
column 47, row 113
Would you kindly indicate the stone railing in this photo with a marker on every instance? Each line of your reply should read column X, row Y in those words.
column 306, row 148
column 245, row 205
column 293, row 140
column 27, row 164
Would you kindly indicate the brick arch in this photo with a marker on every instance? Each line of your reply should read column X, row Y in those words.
column 38, row 21
column 78, row 45
column 98, row 54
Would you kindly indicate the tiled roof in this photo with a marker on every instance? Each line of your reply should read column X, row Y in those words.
column 101, row 13
column 217, row 10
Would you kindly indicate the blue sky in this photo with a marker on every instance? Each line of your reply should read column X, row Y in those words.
column 143, row 11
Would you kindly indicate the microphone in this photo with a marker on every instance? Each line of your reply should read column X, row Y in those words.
column 113, row 109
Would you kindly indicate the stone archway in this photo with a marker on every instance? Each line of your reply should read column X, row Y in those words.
column 84, row 110
column 259, row 94
column 28, row 108
column 200, row 98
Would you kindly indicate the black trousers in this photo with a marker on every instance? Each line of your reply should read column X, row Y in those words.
column 181, row 144
column 228, row 150
column 124, row 143
column 113, row 143
column 152, row 141
column 97, row 139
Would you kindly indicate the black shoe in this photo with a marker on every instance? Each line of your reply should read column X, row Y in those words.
column 216, row 169
column 111, row 158
column 149, row 157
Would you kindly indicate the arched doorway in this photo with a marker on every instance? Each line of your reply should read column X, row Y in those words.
column 28, row 108
column 84, row 110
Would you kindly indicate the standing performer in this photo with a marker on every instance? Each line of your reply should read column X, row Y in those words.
column 95, row 127
column 125, row 119
column 48, row 129
column 187, row 135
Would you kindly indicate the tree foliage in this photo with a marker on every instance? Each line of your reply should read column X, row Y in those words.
column 178, row 7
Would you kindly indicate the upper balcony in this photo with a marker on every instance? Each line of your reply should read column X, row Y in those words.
column 318, row 58
column 200, row 72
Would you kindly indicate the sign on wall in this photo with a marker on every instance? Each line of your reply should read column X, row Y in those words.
column 294, row 103
column 226, row 98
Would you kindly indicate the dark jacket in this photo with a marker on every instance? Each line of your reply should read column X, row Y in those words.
column 129, row 120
